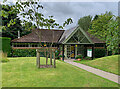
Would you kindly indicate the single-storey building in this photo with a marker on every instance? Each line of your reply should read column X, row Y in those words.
column 71, row 42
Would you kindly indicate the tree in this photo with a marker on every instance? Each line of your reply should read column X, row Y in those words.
column 113, row 36
column 100, row 25
column 85, row 22
column 106, row 27
column 9, row 15
column 31, row 11
column 96, row 17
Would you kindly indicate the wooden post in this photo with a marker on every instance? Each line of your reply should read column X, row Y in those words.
column 45, row 52
column 50, row 56
column 38, row 59
column 63, row 52
column 92, row 51
column 54, row 60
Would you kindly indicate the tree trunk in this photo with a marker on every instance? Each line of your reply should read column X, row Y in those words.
column 50, row 56
column 46, row 57
column 54, row 61
column 38, row 59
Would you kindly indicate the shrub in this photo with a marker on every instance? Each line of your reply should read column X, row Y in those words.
column 88, row 58
column 3, row 57
column 79, row 56
column 60, row 56
column 99, row 53
column 24, row 52
column 5, row 43
column 4, row 60
column 57, row 54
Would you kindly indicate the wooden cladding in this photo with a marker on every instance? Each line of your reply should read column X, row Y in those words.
column 96, row 47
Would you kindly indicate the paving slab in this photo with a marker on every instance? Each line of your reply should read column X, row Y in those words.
column 107, row 75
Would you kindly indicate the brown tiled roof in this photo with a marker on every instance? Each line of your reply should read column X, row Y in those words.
column 94, row 39
column 46, row 36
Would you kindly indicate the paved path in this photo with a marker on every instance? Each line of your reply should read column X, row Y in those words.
column 98, row 72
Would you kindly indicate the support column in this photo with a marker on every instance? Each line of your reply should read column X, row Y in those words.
column 92, row 51
column 76, row 50
column 63, row 52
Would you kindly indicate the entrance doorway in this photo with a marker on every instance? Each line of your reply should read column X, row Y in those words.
column 72, row 51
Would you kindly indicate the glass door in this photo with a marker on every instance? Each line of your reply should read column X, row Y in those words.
column 72, row 51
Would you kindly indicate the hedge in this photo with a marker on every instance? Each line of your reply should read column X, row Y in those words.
column 99, row 53
column 28, row 53
column 5, row 43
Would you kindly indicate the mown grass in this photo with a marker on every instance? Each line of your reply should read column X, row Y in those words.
column 22, row 72
column 109, row 63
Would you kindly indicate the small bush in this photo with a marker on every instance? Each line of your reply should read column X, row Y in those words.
column 60, row 56
column 88, row 58
column 79, row 56
column 4, row 60
column 57, row 54
column 3, row 57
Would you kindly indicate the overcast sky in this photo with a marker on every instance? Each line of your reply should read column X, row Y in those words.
column 75, row 10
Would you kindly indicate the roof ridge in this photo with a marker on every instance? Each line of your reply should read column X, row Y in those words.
column 49, row 29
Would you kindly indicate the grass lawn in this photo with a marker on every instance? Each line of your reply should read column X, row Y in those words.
column 109, row 63
column 22, row 72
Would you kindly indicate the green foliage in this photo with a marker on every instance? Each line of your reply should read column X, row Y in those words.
column 26, row 53
column 105, row 27
column 79, row 56
column 99, row 26
column 96, row 17
column 3, row 57
column 99, row 53
column 57, row 54
column 6, row 47
column 10, row 21
column 4, row 60
column 85, row 22
column 113, row 37
column 88, row 58
column 60, row 56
